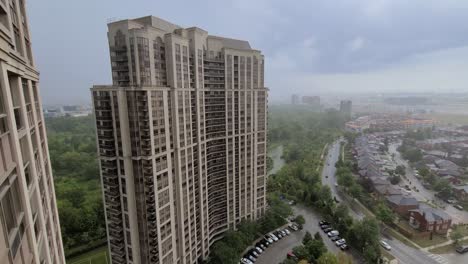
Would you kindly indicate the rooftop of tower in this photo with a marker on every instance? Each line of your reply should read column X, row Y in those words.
column 169, row 27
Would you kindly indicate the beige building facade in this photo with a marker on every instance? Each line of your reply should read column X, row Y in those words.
column 181, row 139
column 29, row 224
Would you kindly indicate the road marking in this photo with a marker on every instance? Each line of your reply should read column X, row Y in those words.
column 439, row 258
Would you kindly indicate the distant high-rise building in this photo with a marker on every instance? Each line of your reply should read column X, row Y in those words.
column 29, row 224
column 181, row 138
column 346, row 106
column 311, row 100
column 295, row 99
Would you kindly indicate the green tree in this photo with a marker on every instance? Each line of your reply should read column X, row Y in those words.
column 300, row 220
column 456, row 236
column 401, row 170
column 355, row 190
column 317, row 236
column 384, row 214
column 301, row 252
column 444, row 188
column 307, row 238
column 395, row 179
column 316, row 248
column 327, row 258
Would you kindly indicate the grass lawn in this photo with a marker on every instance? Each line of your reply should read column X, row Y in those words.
column 97, row 256
column 447, row 249
column 387, row 255
column 462, row 229
column 423, row 242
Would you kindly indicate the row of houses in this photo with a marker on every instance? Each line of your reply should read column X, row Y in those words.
column 374, row 165
column 388, row 122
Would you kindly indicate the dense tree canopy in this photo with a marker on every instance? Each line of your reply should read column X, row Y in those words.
column 72, row 148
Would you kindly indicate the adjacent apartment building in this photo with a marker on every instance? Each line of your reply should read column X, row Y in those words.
column 181, row 138
column 29, row 224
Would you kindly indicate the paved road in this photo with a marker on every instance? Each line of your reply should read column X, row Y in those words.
column 329, row 175
column 405, row 254
column 424, row 194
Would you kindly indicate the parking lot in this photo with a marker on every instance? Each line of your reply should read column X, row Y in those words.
column 276, row 253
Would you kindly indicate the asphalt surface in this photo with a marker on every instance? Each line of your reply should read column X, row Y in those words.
column 424, row 194
column 276, row 253
column 402, row 252
column 329, row 176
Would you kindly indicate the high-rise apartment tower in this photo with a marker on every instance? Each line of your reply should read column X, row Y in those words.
column 29, row 224
column 182, row 140
column 346, row 106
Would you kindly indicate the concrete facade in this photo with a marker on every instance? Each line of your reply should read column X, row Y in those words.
column 181, row 139
column 29, row 224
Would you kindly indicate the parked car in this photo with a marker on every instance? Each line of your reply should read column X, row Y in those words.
column 462, row 249
column 340, row 242
column 323, row 222
column 324, row 226
column 450, row 201
column 335, row 238
column 268, row 239
column 250, row 257
column 246, row 261
column 459, row 207
column 385, row 245
column 291, row 255
column 344, row 247
column 272, row 237
column 261, row 245
column 254, row 253
column 292, row 227
column 326, row 230
column 278, row 234
column 287, row 231
column 333, row 233
column 259, row 250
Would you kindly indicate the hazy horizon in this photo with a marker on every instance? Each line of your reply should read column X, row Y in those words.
column 377, row 46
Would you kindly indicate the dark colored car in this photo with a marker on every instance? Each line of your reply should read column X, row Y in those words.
column 324, row 226
column 335, row 238
column 462, row 249
column 328, row 229
column 344, row 247
column 323, row 223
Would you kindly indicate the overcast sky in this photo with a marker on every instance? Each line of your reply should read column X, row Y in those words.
column 311, row 46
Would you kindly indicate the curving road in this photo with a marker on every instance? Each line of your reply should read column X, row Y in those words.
column 403, row 253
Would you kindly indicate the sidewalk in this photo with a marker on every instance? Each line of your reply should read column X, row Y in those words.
column 443, row 244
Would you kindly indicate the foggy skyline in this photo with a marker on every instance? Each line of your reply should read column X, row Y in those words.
column 310, row 47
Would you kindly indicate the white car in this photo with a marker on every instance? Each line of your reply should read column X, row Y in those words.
column 333, row 233
column 269, row 239
column 275, row 238
column 259, row 250
column 340, row 242
column 287, row 232
column 385, row 245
